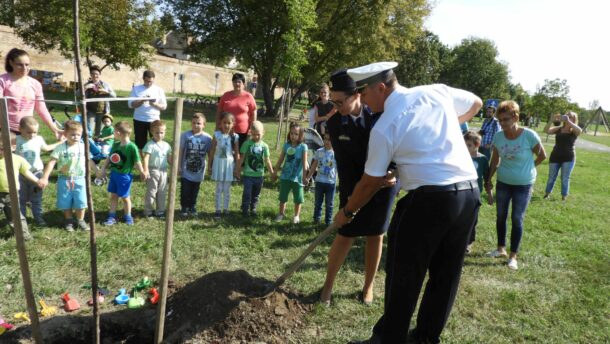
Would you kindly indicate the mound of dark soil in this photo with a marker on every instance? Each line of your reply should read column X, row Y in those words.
column 220, row 307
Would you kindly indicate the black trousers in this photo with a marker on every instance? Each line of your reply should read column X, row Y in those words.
column 142, row 132
column 189, row 191
column 428, row 233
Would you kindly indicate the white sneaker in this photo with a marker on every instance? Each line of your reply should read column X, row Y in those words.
column 512, row 264
column 497, row 254
column 296, row 219
column 279, row 218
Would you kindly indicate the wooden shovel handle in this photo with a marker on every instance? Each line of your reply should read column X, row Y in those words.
column 299, row 261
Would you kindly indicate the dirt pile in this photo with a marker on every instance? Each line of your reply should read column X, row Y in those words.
column 220, row 307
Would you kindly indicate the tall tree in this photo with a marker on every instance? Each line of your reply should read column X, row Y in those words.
column 272, row 37
column 423, row 62
column 303, row 40
column 474, row 66
column 7, row 15
column 116, row 31
column 553, row 97
column 356, row 32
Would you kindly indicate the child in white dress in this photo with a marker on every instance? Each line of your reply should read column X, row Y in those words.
column 224, row 153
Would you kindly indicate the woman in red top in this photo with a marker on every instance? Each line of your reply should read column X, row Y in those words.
column 28, row 92
column 241, row 104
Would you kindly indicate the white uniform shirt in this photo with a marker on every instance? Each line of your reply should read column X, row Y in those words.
column 420, row 132
column 147, row 112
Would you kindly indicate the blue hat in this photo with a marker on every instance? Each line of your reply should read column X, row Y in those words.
column 492, row 103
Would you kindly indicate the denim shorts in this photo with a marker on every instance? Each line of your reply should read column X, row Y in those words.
column 120, row 184
column 71, row 193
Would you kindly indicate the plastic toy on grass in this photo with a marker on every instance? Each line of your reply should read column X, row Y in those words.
column 4, row 326
column 143, row 284
column 100, row 299
column 70, row 303
column 46, row 311
column 154, row 296
column 22, row 316
column 136, row 301
column 122, row 298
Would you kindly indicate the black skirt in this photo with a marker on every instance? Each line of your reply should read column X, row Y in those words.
column 374, row 218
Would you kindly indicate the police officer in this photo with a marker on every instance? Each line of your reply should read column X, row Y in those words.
column 349, row 132
column 419, row 131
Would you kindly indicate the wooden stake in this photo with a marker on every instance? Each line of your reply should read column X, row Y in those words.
column 16, row 215
column 92, row 240
column 169, row 223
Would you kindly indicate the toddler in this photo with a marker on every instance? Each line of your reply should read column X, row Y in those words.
column 21, row 167
column 324, row 162
column 292, row 179
column 29, row 145
column 106, row 138
column 222, row 160
column 194, row 147
column 481, row 164
column 71, row 164
column 254, row 157
column 156, row 159
column 124, row 156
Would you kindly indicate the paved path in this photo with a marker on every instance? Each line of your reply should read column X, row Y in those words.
column 582, row 144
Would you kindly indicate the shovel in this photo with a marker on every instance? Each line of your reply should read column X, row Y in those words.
column 299, row 261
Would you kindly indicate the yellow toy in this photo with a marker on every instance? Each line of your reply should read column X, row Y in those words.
column 46, row 311
column 22, row 316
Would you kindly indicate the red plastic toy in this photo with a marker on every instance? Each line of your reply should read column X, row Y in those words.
column 154, row 298
column 70, row 304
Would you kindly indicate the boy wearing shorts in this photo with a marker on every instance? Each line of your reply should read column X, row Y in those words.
column 71, row 164
column 124, row 156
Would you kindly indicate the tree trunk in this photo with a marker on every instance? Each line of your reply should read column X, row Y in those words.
column 268, row 88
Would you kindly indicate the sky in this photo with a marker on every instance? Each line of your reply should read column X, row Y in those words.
column 538, row 39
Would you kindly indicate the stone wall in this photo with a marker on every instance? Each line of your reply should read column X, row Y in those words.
column 198, row 78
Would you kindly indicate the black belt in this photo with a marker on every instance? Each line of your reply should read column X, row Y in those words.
column 459, row 186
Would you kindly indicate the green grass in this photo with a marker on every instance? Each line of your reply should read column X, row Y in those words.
column 559, row 294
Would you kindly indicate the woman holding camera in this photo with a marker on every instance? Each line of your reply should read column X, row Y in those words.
column 563, row 157
column 516, row 153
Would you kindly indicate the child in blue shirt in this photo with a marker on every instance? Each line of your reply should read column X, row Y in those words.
column 324, row 162
column 195, row 145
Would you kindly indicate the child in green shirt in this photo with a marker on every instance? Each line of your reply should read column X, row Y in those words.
column 124, row 156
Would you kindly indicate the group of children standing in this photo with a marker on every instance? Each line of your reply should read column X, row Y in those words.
column 220, row 155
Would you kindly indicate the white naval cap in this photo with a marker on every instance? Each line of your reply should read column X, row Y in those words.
column 372, row 73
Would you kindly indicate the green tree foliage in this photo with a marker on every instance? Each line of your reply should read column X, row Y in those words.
column 357, row 32
column 520, row 95
column 300, row 40
column 422, row 63
column 116, row 31
column 473, row 65
column 272, row 37
column 553, row 97
column 7, row 15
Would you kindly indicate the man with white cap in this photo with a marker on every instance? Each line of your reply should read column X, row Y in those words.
column 431, row 225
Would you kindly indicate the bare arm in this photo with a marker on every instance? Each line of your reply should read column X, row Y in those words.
column 304, row 166
column 312, row 169
column 48, row 148
column 540, row 154
column 143, row 172
column 278, row 166
column 476, row 106
column 44, row 180
column 145, row 158
column 211, row 155
column 362, row 194
column 269, row 165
